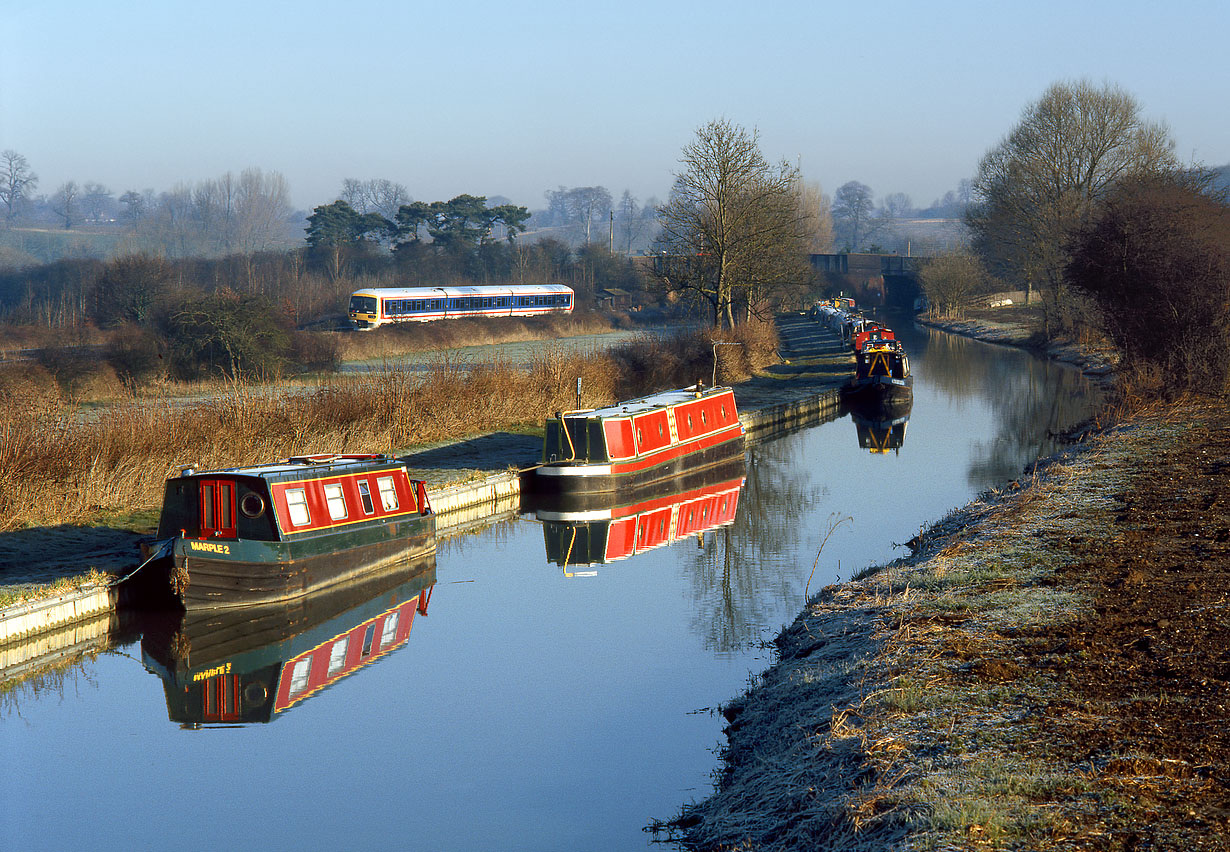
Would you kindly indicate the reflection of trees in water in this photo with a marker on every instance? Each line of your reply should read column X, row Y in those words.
column 735, row 587
column 1032, row 400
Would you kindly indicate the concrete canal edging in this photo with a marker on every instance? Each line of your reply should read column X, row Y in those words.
column 31, row 617
column 767, row 420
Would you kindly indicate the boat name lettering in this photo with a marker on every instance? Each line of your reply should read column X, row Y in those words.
column 223, row 669
column 224, row 549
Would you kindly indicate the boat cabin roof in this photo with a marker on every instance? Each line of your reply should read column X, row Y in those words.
column 297, row 467
column 664, row 399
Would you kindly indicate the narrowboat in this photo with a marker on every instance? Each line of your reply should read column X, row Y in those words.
column 239, row 666
column 639, row 442
column 881, row 374
column 585, row 533
column 271, row 532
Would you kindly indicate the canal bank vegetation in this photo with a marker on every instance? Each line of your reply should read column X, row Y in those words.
column 1045, row 670
column 63, row 462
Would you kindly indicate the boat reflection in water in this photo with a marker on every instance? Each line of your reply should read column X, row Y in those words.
column 881, row 433
column 590, row 532
column 249, row 664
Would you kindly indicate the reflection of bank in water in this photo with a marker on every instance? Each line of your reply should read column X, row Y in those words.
column 248, row 664
column 596, row 530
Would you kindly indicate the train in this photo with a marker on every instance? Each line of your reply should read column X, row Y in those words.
column 376, row 306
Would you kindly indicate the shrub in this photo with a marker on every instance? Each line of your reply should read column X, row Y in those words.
column 1156, row 260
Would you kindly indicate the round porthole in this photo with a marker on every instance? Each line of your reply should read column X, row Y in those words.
column 252, row 505
column 659, row 430
column 689, row 421
column 704, row 417
column 640, row 436
column 254, row 694
column 723, row 411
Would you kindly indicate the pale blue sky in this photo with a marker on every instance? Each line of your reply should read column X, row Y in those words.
column 515, row 98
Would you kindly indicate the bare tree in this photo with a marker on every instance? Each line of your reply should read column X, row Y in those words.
column 586, row 203
column 817, row 215
column 1070, row 147
column 66, row 202
column 732, row 226
column 262, row 209
column 949, row 280
column 378, row 195
column 853, row 208
column 17, row 181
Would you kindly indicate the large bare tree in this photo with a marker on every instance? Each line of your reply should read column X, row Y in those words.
column 1041, row 181
column 17, row 181
column 732, row 229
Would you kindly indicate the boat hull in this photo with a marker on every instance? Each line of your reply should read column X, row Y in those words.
column 882, row 392
column 229, row 573
column 555, row 480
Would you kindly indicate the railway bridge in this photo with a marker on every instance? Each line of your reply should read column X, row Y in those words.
column 872, row 279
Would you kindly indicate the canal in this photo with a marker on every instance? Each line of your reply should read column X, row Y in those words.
column 526, row 704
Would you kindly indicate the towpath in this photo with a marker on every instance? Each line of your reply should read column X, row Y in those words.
column 811, row 363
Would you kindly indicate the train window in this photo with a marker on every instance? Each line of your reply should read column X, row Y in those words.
column 389, row 633
column 296, row 502
column 388, row 493
column 336, row 501
column 337, row 655
column 300, row 674
column 365, row 497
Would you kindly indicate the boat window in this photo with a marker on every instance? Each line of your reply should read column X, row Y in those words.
column 389, row 633
column 723, row 412
column 689, row 421
column 337, row 655
column 368, row 635
column 207, row 507
column 704, row 418
column 365, row 496
column 300, row 674
column 296, row 502
column 659, row 428
column 335, row 500
column 388, row 493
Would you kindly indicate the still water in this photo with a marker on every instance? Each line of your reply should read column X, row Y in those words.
column 526, row 705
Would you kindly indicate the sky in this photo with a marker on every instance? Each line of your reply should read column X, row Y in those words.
column 513, row 99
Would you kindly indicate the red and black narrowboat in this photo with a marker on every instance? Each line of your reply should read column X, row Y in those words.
column 881, row 374
column 639, row 442
column 273, row 532
column 238, row 666
column 587, row 534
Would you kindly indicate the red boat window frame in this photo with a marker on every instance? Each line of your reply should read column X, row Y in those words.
column 217, row 508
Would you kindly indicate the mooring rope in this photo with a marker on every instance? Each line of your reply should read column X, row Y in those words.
column 164, row 549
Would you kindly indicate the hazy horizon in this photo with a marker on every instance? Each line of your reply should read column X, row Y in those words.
column 494, row 100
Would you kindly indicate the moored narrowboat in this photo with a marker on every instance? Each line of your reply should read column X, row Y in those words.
column 881, row 374
column 277, row 531
column 639, row 442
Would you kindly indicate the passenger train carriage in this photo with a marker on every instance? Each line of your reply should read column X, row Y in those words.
column 374, row 307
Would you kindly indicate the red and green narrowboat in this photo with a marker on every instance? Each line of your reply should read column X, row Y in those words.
column 237, row 666
column 273, row 532
column 639, row 442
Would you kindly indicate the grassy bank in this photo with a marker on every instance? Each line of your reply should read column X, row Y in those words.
column 1043, row 672
column 63, row 463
